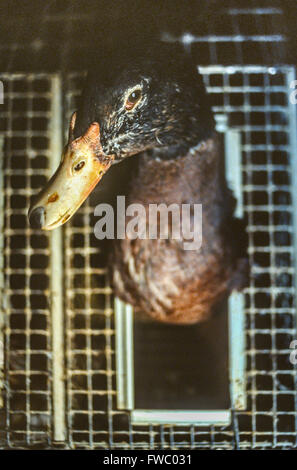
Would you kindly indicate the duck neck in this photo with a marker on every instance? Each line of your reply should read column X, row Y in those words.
column 191, row 177
column 171, row 152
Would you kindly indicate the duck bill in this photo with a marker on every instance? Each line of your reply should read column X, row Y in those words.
column 82, row 166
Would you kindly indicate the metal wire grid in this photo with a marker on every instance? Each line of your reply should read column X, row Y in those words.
column 245, row 35
column 25, row 126
column 237, row 33
column 256, row 102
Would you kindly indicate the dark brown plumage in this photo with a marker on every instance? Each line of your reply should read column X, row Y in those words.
column 159, row 277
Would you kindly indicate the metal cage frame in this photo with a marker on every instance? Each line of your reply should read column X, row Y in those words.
column 57, row 320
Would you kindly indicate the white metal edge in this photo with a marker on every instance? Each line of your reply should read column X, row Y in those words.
column 233, row 167
column 2, row 311
column 182, row 417
column 291, row 77
column 237, row 351
column 230, row 69
column 56, row 269
column 124, row 355
column 236, row 318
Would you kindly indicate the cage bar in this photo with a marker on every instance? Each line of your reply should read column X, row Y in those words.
column 2, row 313
column 57, row 284
column 124, row 354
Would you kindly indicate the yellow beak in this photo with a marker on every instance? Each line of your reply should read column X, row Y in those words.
column 82, row 166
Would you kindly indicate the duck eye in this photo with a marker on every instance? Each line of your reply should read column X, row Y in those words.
column 132, row 99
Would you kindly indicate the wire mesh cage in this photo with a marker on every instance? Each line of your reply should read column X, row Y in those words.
column 25, row 153
column 58, row 383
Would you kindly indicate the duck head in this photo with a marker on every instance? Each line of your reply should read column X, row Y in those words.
column 148, row 100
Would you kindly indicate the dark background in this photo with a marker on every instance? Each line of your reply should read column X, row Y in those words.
column 40, row 35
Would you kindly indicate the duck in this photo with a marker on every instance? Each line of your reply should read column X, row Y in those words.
column 150, row 107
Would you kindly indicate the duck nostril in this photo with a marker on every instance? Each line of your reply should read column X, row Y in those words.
column 36, row 217
column 79, row 166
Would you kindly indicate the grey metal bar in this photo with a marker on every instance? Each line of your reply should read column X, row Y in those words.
column 181, row 417
column 236, row 299
column 255, row 11
column 56, row 263
column 2, row 312
column 124, row 355
column 291, row 77
column 189, row 39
